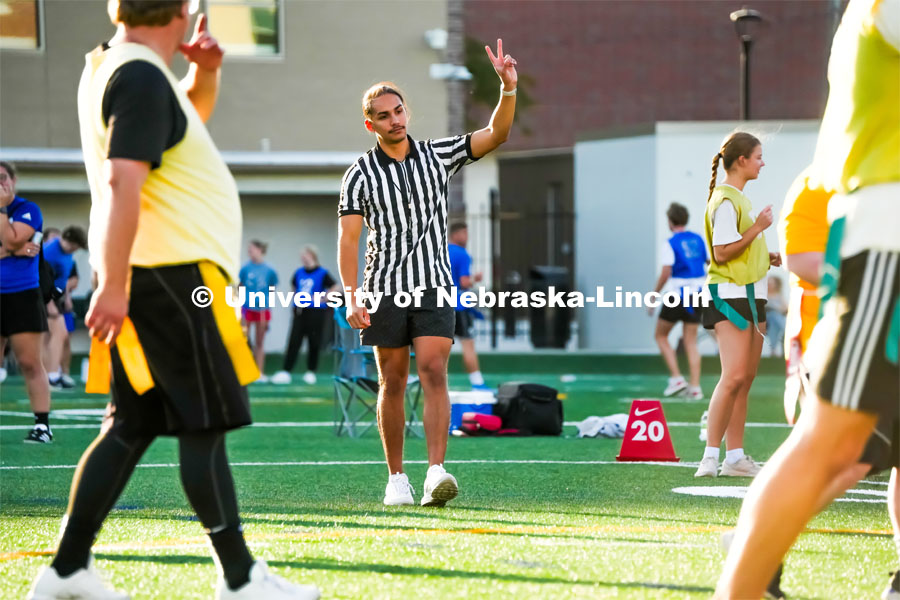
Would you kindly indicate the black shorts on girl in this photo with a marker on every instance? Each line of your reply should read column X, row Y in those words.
column 711, row 315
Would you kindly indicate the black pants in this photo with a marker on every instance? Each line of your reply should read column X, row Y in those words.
column 308, row 323
column 106, row 467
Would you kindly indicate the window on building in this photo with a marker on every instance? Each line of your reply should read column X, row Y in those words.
column 20, row 24
column 246, row 27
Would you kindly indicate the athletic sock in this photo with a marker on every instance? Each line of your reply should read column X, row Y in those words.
column 395, row 477
column 42, row 418
column 732, row 456
column 711, row 452
column 233, row 555
column 54, row 376
column 475, row 378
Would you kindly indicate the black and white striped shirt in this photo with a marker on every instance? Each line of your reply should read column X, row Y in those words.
column 405, row 207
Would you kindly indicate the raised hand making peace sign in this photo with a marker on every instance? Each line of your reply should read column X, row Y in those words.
column 203, row 49
column 504, row 65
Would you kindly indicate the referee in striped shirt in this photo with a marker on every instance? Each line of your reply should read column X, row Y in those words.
column 399, row 189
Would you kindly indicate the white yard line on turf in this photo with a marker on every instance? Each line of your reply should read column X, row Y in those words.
column 343, row 463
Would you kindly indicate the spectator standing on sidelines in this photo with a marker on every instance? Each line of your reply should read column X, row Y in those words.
column 23, row 312
column 58, row 254
column 461, row 272
column 309, row 321
column 256, row 276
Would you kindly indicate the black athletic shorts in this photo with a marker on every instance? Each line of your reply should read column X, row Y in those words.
column 394, row 327
column 673, row 314
column 883, row 448
column 196, row 387
column 847, row 360
column 711, row 315
column 22, row 312
column 465, row 321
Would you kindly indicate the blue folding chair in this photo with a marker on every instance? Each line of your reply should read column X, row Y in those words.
column 356, row 384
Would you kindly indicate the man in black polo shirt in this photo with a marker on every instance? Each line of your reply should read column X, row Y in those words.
column 399, row 188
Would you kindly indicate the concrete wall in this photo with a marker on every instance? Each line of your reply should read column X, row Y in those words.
column 622, row 189
column 614, row 224
column 307, row 99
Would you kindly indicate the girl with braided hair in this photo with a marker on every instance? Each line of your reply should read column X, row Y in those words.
column 737, row 287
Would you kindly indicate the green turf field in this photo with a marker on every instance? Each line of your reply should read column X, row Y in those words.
column 558, row 519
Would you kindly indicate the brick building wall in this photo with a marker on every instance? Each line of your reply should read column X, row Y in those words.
column 598, row 64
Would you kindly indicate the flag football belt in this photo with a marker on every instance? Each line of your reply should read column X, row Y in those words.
column 134, row 362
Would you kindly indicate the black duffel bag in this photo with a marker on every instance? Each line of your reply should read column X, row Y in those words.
column 531, row 408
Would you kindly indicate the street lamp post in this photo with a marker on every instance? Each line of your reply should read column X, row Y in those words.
column 745, row 22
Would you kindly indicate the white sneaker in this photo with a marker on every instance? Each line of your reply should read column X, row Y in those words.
column 281, row 378
column 694, row 393
column 440, row 487
column 676, row 384
column 67, row 381
column 709, row 467
column 745, row 467
column 2, row 374
column 309, row 377
column 83, row 583
column 262, row 379
column 265, row 586
column 704, row 420
column 398, row 492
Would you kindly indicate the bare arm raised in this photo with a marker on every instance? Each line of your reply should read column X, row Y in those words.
column 488, row 139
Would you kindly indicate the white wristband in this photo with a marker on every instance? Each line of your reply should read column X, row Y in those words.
column 512, row 92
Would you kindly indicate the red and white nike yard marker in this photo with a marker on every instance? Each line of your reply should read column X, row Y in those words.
column 647, row 434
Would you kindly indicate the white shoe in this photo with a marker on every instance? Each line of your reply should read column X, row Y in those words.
column 2, row 374
column 83, row 583
column 398, row 492
column 440, row 487
column 67, row 381
column 704, row 419
column 676, row 384
column 694, row 393
column 262, row 379
column 265, row 586
column 281, row 378
column 309, row 377
column 745, row 467
column 709, row 467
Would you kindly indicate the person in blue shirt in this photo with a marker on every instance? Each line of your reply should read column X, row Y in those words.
column 257, row 276
column 58, row 254
column 309, row 321
column 23, row 315
column 460, row 271
column 683, row 259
